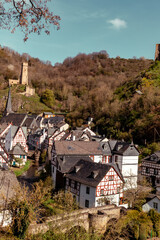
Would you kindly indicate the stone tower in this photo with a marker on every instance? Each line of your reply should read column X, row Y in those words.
column 24, row 74
column 157, row 52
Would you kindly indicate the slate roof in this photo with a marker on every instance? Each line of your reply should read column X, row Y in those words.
column 67, row 162
column 125, row 149
column 16, row 119
column 106, row 148
column 155, row 157
column 57, row 119
column 51, row 131
column 77, row 148
column 90, row 173
column 14, row 130
column 3, row 126
column 48, row 113
column 18, row 150
column 79, row 133
column 28, row 122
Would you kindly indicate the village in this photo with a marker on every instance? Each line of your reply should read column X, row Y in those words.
column 97, row 171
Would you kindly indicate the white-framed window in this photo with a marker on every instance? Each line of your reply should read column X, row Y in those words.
column 155, row 205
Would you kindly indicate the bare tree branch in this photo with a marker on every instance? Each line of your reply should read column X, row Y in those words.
column 31, row 16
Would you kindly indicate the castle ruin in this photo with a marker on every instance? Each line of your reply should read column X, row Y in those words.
column 23, row 80
column 24, row 74
column 23, row 77
column 157, row 52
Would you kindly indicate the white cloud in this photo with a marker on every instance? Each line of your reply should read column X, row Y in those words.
column 118, row 23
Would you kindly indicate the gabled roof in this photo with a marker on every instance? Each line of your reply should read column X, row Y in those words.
column 51, row 131
column 18, row 150
column 155, row 157
column 89, row 173
column 66, row 135
column 15, row 129
column 77, row 148
column 79, row 133
column 3, row 127
column 106, row 148
column 16, row 119
column 125, row 149
column 67, row 162
column 29, row 121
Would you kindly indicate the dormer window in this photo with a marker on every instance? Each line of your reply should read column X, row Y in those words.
column 77, row 168
column 94, row 174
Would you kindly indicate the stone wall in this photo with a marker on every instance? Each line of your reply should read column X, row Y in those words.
column 94, row 219
column 13, row 81
column 29, row 91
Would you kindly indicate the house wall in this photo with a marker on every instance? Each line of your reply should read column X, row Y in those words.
column 64, row 127
column 114, row 199
column 3, row 162
column 150, row 205
column 59, row 136
column 13, row 81
column 97, row 158
column 84, row 196
column 20, row 138
column 110, row 187
column 23, row 157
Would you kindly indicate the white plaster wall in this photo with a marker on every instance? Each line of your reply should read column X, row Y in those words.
column 98, row 158
column 130, row 159
column 129, row 170
column 114, row 199
column 64, row 127
column 84, row 196
column 147, row 206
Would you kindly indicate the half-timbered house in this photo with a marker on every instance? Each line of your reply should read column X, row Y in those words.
column 17, row 139
column 16, row 135
column 37, row 139
column 94, row 184
column 150, row 167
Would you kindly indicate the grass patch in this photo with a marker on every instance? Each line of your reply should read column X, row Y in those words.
column 19, row 171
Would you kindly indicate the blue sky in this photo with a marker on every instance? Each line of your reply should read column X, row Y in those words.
column 124, row 28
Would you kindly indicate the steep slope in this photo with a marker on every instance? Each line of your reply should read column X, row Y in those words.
column 89, row 85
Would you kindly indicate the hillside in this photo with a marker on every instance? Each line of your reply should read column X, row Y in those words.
column 89, row 85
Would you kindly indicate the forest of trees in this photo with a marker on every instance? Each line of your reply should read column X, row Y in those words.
column 122, row 95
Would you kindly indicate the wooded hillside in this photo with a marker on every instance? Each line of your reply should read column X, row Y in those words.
column 121, row 95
